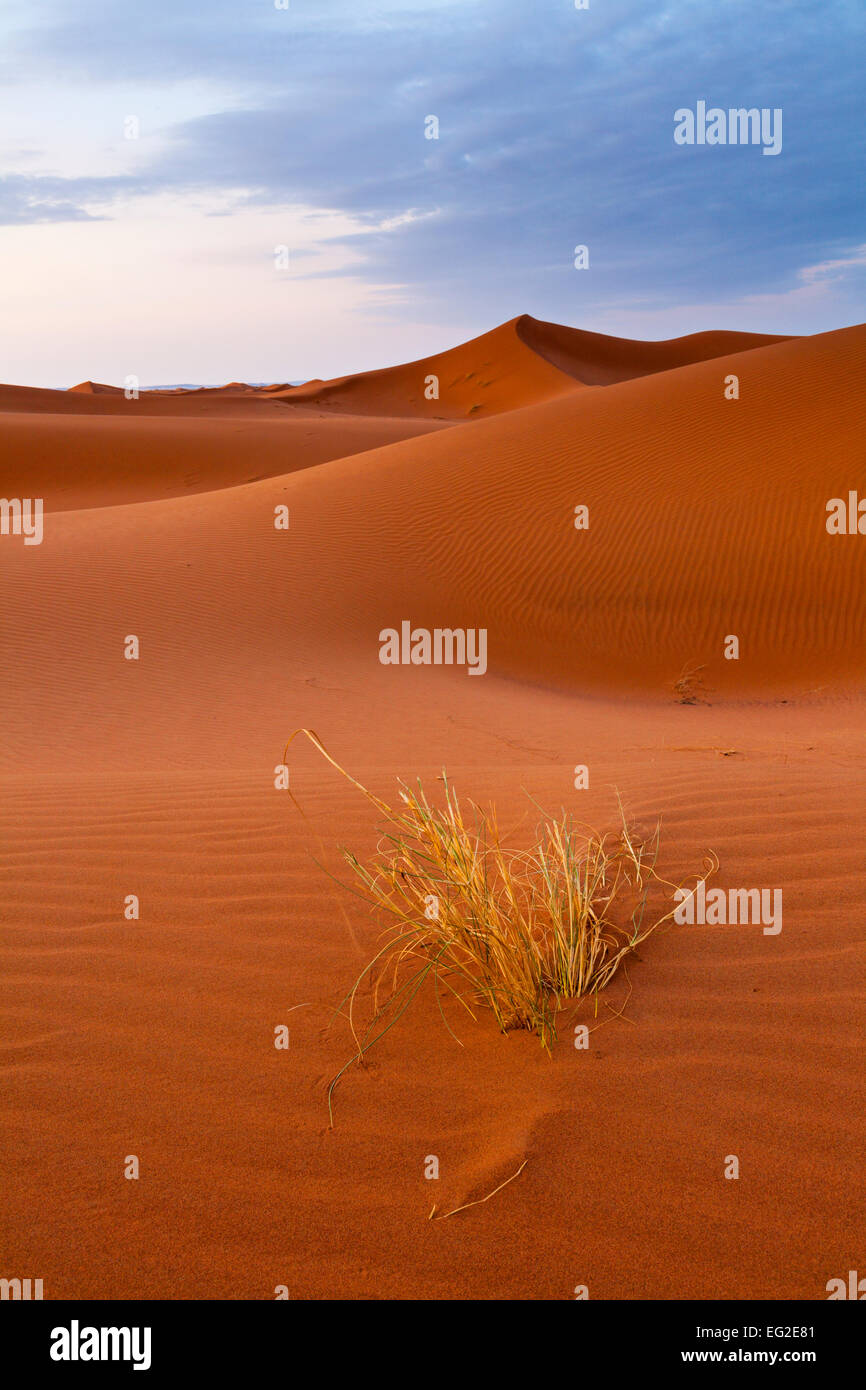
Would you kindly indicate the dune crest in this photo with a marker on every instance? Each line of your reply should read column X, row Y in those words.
column 595, row 359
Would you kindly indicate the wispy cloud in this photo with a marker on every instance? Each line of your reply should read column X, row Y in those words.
column 555, row 128
column 834, row 269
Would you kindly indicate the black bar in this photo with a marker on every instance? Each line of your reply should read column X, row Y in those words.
column 224, row 1339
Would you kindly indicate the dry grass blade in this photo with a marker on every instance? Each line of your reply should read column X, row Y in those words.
column 479, row 1200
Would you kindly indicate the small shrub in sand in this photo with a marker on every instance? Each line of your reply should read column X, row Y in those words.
column 689, row 686
column 520, row 932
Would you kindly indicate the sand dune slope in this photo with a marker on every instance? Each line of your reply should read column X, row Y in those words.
column 496, row 372
column 200, row 403
column 519, row 363
column 706, row 520
column 598, row 360
column 79, row 461
column 154, row 1036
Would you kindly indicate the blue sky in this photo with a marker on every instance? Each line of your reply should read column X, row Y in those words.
column 304, row 127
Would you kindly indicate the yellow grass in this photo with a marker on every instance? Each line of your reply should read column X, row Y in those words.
column 517, row 931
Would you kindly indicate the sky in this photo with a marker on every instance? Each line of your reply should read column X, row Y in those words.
column 244, row 189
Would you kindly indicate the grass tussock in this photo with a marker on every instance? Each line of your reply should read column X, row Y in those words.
column 689, row 685
column 520, row 932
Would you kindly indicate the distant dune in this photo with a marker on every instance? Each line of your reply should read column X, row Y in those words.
column 598, row 360
column 519, row 363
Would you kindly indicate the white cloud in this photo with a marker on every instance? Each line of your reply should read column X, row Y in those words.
column 834, row 270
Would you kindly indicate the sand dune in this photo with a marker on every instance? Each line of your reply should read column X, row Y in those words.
column 520, row 363
column 96, row 388
column 706, row 519
column 598, row 360
column 154, row 1037
column 78, row 461
column 524, row 361
column 496, row 372
column 155, row 777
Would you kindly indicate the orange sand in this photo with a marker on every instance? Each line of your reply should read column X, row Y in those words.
column 155, row 1037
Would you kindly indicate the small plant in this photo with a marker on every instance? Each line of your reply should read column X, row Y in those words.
column 520, row 932
column 689, row 685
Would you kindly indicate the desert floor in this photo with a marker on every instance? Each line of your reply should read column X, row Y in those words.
column 155, row 777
